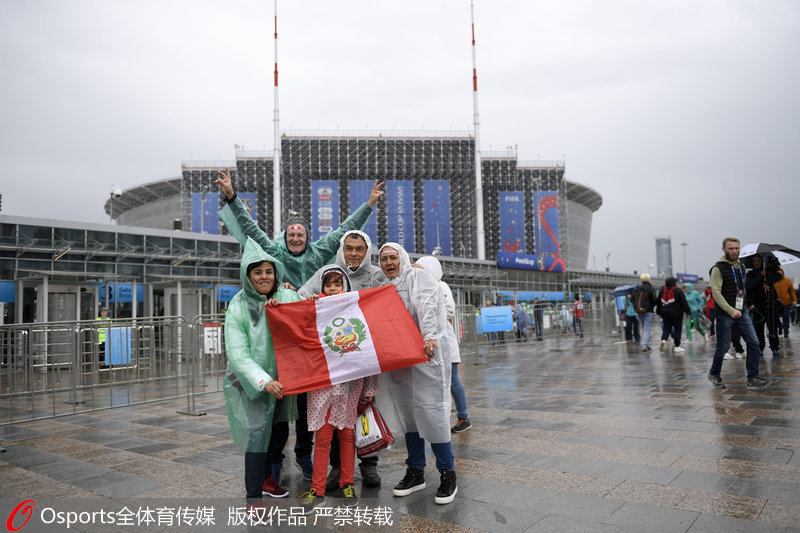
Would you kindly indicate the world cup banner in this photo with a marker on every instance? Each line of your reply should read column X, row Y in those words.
column 342, row 337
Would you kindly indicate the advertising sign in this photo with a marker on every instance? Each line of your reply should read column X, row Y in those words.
column 324, row 207
column 400, row 213
column 359, row 193
column 204, row 212
column 512, row 221
column 249, row 201
column 545, row 224
column 437, row 216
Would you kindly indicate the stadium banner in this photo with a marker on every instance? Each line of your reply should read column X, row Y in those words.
column 437, row 216
column 545, row 224
column 225, row 293
column 359, row 193
column 204, row 213
column 690, row 278
column 512, row 221
column 547, row 263
column 324, row 207
column 249, row 201
column 400, row 213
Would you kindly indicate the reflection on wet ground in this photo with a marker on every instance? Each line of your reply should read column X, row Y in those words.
column 583, row 435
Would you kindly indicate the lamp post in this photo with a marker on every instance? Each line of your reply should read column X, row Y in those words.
column 203, row 209
column 115, row 192
column 684, row 245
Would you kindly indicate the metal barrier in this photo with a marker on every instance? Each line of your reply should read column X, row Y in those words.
column 59, row 368
column 466, row 327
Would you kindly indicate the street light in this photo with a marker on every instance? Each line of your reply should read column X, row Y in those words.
column 203, row 209
column 115, row 192
column 684, row 244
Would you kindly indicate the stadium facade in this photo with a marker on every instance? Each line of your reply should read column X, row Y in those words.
column 529, row 207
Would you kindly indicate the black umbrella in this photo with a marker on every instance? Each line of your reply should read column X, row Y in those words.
column 784, row 254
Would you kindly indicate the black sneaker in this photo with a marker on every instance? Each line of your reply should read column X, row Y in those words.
column 310, row 501
column 461, row 425
column 332, row 483
column 758, row 383
column 716, row 380
column 369, row 474
column 447, row 489
column 350, row 496
column 413, row 481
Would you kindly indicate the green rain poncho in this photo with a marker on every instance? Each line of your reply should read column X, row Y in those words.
column 251, row 358
column 298, row 268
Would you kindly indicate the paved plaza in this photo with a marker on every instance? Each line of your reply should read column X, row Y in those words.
column 576, row 435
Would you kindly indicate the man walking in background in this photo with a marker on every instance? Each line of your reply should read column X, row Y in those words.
column 645, row 298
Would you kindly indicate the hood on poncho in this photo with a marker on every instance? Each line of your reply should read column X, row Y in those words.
column 342, row 261
column 688, row 286
column 432, row 265
column 253, row 253
column 333, row 270
column 405, row 261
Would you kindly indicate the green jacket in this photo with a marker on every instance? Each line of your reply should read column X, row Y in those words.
column 299, row 268
column 251, row 359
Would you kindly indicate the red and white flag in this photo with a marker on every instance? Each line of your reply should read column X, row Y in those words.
column 342, row 337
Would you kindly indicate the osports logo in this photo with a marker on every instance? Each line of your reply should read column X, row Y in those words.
column 24, row 508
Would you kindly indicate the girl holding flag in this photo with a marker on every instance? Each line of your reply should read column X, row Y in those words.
column 335, row 407
column 420, row 394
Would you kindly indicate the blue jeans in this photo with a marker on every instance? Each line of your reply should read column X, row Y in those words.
column 744, row 326
column 577, row 324
column 787, row 318
column 646, row 322
column 459, row 396
column 416, row 453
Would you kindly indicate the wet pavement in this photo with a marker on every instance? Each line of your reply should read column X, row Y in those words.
column 579, row 435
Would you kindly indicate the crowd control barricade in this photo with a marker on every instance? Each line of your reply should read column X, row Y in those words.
column 208, row 359
column 466, row 329
column 58, row 368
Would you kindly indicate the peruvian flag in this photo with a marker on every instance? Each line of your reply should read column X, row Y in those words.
column 342, row 337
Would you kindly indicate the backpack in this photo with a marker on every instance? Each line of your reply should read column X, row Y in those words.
column 668, row 300
column 641, row 302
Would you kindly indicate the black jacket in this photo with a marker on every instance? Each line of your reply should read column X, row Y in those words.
column 680, row 307
column 649, row 296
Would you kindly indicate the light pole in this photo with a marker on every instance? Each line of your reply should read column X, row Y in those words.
column 115, row 192
column 684, row 245
column 203, row 209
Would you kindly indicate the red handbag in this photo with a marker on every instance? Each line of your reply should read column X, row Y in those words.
column 372, row 435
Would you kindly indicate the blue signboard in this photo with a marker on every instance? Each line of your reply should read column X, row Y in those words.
column 7, row 291
column 496, row 319
column 249, row 201
column 324, row 207
column 545, row 224
column 545, row 263
column 120, row 292
column 359, row 193
column 400, row 213
column 204, row 212
column 118, row 346
column 437, row 216
column 689, row 278
column 512, row 221
column 225, row 293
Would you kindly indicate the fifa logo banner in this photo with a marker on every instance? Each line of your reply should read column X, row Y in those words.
column 204, row 212
column 437, row 216
column 360, row 191
column 400, row 213
column 512, row 221
column 324, row 207
column 545, row 230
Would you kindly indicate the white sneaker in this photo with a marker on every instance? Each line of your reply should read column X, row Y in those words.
column 705, row 337
column 739, row 356
column 728, row 356
column 678, row 349
column 663, row 343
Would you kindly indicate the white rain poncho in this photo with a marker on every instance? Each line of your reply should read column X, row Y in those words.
column 251, row 359
column 365, row 276
column 417, row 398
column 434, row 267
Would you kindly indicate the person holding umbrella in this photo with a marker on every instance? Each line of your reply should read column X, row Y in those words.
column 728, row 288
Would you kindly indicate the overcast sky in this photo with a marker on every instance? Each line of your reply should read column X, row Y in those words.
column 683, row 115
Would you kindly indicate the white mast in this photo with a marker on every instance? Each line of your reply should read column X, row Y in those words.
column 478, row 180
column 276, row 151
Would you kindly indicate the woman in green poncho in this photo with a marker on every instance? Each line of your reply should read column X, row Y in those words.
column 258, row 413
